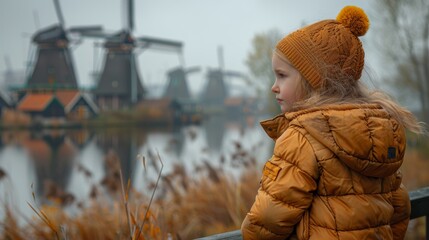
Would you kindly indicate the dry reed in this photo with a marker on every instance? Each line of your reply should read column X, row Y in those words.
column 188, row 203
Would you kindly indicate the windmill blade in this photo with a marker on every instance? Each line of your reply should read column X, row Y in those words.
column 161, row 44
column 233, row 74
column 59, row 13
column 192, row 70
column 93, row 34
column 130, row 15
column 127, row 15
column 86, row 29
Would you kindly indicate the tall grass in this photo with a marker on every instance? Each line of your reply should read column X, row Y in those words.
column 119, row 213
column 213, row 203
column 188, row 203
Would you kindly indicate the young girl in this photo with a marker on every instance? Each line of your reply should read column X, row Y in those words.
column 338, row 147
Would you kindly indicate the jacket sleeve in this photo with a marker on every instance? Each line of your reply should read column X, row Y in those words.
column 286, row 189
column 402, row 209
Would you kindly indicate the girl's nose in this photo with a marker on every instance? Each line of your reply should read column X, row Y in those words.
column 274, row 88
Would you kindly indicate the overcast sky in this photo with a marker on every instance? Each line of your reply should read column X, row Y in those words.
column 202, row 25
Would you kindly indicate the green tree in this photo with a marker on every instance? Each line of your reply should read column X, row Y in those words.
column 403, row 39
column 259, row 63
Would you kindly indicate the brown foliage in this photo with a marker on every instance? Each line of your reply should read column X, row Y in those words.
column 202, row 201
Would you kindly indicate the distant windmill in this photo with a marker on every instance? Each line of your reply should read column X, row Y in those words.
column 119, row 85
column 216, row 90
column 177, row 88
column 54, row 68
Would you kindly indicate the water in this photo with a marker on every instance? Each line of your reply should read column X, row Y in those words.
column 75, row 160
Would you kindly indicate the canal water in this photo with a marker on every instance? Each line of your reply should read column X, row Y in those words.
column 73, row 160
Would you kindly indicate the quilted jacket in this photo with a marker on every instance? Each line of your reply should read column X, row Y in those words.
column 333, row 175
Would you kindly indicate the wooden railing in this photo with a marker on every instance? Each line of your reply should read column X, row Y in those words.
column 419, row 208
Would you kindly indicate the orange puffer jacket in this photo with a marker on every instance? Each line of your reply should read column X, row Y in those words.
column 333, row 175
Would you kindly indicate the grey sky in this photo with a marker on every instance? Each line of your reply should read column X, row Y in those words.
column 202, row 25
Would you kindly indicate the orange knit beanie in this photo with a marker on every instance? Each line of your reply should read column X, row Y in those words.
column 329, row 47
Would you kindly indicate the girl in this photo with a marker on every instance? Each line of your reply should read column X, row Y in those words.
column 338, row 147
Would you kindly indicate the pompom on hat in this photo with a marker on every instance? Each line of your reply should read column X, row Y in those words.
column 327, row 48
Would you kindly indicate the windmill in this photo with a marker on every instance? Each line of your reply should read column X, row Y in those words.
column 54, row 68
column 119, row 84
column 216, row 90
column 177, row 88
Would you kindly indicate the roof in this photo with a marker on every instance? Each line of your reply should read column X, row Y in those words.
column 35, row 102
column 70, row 97
column 66, row 97
column 90, row 102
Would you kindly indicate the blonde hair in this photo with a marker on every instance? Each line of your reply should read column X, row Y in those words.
column 342, row 89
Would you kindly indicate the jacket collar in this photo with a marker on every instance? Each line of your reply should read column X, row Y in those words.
column 275, row 127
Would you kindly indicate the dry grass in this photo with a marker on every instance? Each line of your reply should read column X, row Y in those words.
column 206, row 200
column 113, row 211
column 214, row 202
column 191, row 203
column 100, row 220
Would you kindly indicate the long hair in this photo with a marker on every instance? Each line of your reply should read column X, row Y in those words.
column 342, row 89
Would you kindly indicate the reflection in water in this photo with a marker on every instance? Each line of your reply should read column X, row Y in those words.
column 214, row 128
column 121, row 143
column 80, row 138
column 73, row 161
column 15, row 186
column 53, row 154
column 88, row 171
column 176, row 143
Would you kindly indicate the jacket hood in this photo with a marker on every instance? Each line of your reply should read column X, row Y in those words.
column 364, row 137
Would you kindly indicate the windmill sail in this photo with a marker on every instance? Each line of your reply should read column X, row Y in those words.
column 160, row 44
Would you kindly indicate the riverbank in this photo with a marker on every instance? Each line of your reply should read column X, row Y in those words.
column 111, row 119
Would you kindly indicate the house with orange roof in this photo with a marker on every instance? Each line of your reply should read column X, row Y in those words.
column 41, row 106
column 77, row 105
column 67, row 104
